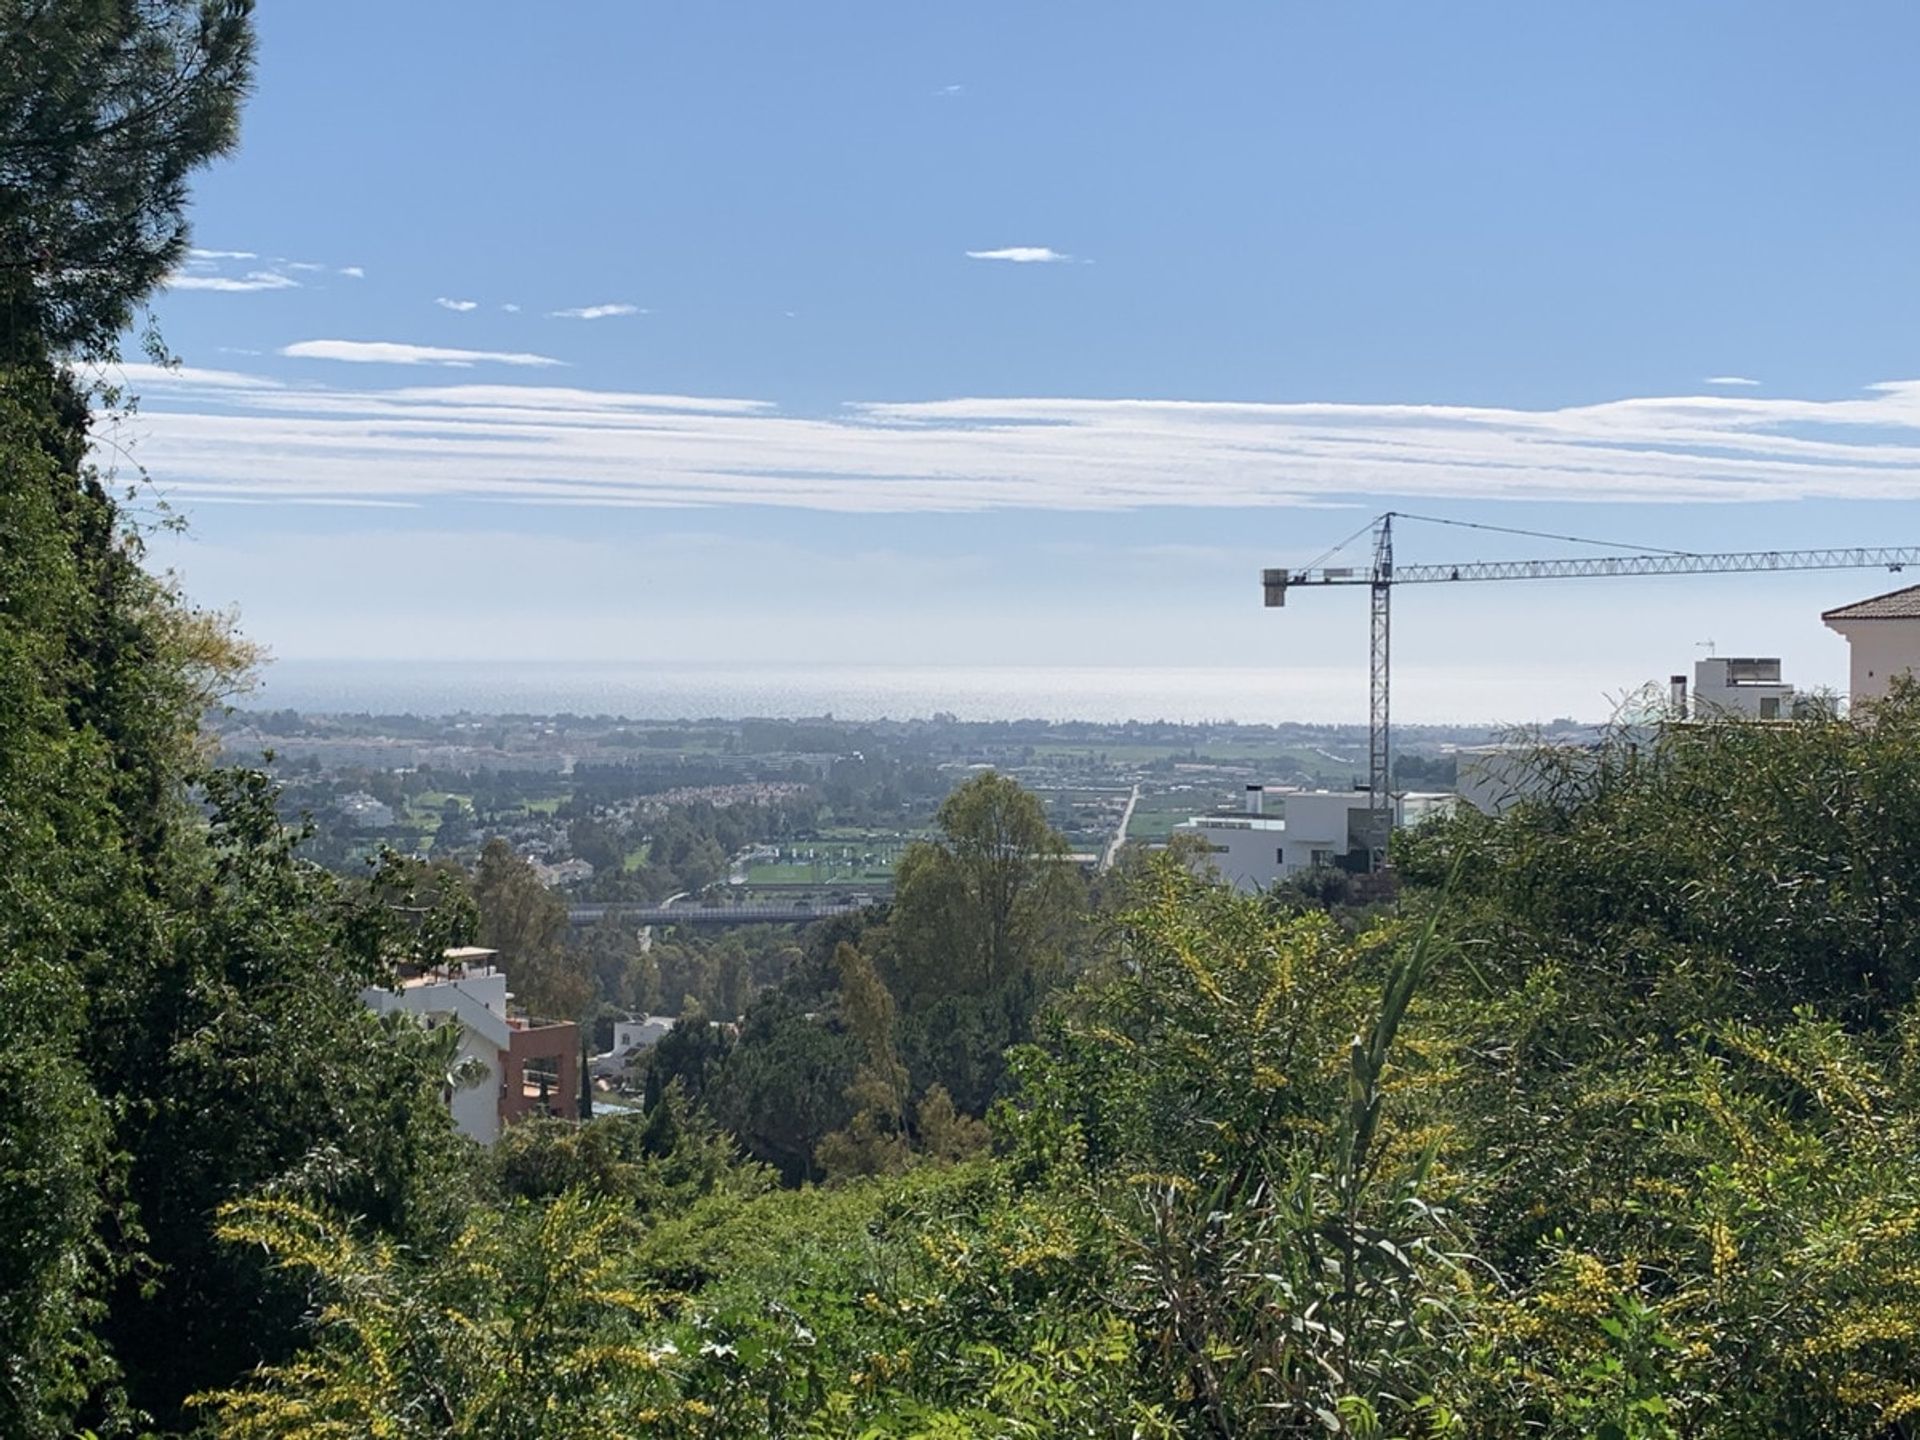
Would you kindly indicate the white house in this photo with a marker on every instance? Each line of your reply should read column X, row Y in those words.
column 1883, row 640
column 1315, row 828
column 631, row 1039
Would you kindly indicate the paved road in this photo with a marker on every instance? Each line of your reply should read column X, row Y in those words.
column 1112, row 852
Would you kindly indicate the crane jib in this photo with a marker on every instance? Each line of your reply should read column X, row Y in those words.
column 1277, row 582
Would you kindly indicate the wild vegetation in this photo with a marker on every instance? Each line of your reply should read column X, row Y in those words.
column 1608, row 1128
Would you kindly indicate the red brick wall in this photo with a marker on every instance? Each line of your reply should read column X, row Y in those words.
column 560, row 1043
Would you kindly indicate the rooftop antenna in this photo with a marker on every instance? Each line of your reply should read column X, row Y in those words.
column 1706, row 645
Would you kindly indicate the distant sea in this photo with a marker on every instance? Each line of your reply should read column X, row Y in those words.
column 679, row 690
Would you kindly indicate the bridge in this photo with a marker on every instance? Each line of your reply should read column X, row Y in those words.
column 793, row 913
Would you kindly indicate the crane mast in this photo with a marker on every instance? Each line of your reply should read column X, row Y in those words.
column 1382, row 576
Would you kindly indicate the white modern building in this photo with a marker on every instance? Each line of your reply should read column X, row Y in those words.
column 1883, row 640
column 1312, row 829
column 1729, row 687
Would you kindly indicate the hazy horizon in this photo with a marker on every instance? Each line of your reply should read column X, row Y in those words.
column 684, row 690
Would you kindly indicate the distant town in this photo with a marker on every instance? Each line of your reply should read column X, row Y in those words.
column 610, row 810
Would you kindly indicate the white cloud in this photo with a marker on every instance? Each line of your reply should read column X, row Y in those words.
column 461, row 305
column 141, row 376
column 199, row 254
column 574, row 446
column 1021, row 255
column 234, row 284
column 595, row 312
column 1729, row 380
column 388, row 352
column 354, row 272
column 310, row 266
column 951, row 90
column 511, row 308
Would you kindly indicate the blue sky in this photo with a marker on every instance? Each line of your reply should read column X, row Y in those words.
column 893, row 272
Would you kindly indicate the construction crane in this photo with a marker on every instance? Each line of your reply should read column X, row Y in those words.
column 1382, row 575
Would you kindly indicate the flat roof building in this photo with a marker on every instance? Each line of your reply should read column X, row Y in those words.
column 1313, row 829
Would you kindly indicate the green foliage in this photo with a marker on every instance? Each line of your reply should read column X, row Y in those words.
column 246, row 1063
column 1219, row 1108
column 523, row 1330
column 784, row 1088
column 106, row 107
column 992, row 899
column 64, row 869
column 527, row 923
column 875, row 1141
column 1707, row 869
column 658, row 1162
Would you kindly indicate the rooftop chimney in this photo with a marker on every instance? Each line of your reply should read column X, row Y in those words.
column 1255, row 794
column 1678, row 692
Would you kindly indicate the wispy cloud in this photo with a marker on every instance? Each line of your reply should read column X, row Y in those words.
column 461, row 305
column 216, row 270
column 570, row 446
column 188, row 378
column 1729, row 380
column 595, row 312
column 1022, row 255
column 511, row 308
column 233, row 284
column 951, row 90
column 389, row 352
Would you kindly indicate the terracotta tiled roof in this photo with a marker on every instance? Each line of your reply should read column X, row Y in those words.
column 1894, row 605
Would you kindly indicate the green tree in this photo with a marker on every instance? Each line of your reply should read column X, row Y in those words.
column 874, row 1141
column 992, row 899
column 784, row 1086
column 106, row 108
column 241, row 1060
column 456, row 830
column 527, row 923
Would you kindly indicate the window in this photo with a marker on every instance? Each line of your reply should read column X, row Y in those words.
column 1770, row 708
column 1280, row 855
column 1322, row 858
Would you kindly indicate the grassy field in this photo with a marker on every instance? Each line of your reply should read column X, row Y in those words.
column 869, row 860
column 1156, row 814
